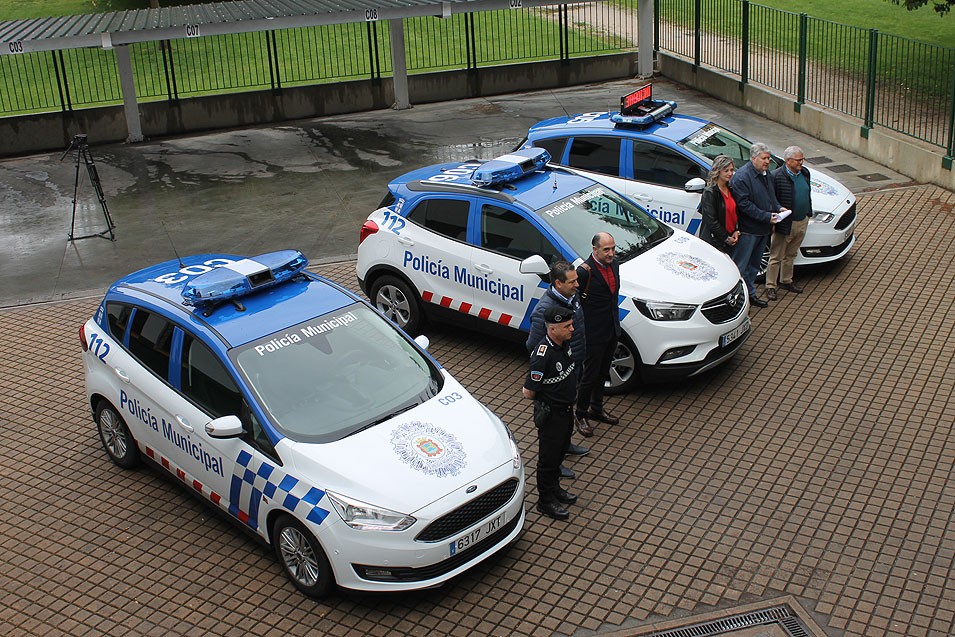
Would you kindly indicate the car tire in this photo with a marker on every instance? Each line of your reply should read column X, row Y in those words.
column 395, row 299
column 302, row 557
column 117, row 440
column 625, row 368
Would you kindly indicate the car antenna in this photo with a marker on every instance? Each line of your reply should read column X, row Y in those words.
column 173, row 245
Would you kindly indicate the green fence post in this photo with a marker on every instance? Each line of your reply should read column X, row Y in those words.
column 950, row 151
column 271, row 51
column 744, row 53
column 171, row 89
column 697, row 24
column 869, row 119
column 371, row 30
column 59, row 81
column 656, row 26
column 803, row 39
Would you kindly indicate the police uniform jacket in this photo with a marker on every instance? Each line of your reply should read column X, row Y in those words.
column 601, row 315
column 783, row 184
column 756, row 201
column 552, row 373
column 578, row 342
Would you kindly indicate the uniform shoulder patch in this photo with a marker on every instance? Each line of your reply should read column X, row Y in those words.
column 537, row 376
column 542, row 349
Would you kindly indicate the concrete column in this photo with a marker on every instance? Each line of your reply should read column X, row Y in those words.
column 134, row 125
column 645, row 38
column 399, row 68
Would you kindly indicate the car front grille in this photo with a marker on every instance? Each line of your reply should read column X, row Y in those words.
column 725, row 308
column 468, row 514
column 847, row 218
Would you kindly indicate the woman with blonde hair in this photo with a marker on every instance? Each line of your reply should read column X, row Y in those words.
column 718, row 207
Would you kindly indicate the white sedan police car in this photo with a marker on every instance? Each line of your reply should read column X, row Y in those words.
column 660, row 160
column 296, row 408
column 475, row 240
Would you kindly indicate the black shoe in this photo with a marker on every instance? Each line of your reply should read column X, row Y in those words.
column 564, row 498
column 567, row 473
column 601, row 415
column 792, row 287
column 771, row 294
column 758, row 302
column 577, row 450
column 553, row 509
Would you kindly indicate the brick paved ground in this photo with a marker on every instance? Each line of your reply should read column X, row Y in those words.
column 817, row 464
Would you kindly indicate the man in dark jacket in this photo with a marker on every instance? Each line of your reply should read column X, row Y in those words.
column 757, row 209
column 793, row 190
column 562, row 293
column 599, row 282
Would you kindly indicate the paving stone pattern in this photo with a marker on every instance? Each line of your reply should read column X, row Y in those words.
column 817, row 464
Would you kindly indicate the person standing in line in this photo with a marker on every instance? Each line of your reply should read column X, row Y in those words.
column 550, row 383
column 792, row 184
column 718, row 208
column 599, row 282
column 562, row 293
column 757, row 209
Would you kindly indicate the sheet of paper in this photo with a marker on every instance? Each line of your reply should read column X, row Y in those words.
column 782, row 215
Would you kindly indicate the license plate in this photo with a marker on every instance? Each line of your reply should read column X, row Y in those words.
column 729, row 337
column 467, row 541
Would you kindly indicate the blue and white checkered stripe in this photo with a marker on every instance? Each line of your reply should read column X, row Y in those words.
column 250, row 483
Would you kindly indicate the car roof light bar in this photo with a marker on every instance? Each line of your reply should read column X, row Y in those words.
column 638, row 108
column 511, row 167
column 240, row 278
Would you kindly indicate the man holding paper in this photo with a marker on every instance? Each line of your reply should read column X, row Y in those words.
column 793, row 190
column 757, row 210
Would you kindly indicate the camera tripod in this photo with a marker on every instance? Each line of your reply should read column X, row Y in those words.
column 83, row 152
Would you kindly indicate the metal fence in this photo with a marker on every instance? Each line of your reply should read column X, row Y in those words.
column 884, row 80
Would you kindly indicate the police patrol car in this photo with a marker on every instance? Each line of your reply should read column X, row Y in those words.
column 477, row 238
column 660, row 160
column 295, row 407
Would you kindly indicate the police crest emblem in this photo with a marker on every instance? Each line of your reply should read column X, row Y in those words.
column 429, row 449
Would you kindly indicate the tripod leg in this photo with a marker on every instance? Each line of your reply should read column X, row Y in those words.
column 76, row 188
column 98, row 189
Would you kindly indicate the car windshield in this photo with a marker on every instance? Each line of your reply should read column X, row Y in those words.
column 337, row 374
column 595, row 209
column 711, row 140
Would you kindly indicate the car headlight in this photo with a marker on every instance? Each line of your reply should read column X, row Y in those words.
column 823, row 217
column 515, row 450
column 366, row 517
column 663, row 311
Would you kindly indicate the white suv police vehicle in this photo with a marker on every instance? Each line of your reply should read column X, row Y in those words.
column 295, row 407
column 476, row 239
column 660, row 160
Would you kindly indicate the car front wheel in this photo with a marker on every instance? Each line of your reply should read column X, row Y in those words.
column 302, row 557
column 625, row 368
column 395, row 299
column 116, row 437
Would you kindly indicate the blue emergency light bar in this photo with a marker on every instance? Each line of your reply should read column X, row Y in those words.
column 640, row 109
column 243, row 277
column 511, row 167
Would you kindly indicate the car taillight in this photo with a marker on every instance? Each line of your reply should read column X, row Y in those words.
column 367, row 229
column 83, row 342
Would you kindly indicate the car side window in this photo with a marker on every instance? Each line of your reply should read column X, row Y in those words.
column 205, row 380
column 554, row 146
column 117, row 316
column 508, row 233
column 663, row 166
column 150, row 337
column 599, row 154
column 447, row 217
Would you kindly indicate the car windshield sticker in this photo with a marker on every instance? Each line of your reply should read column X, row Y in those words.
column 687, row 266
column 822, row 189
column 277, row 342
column 573, row 202
column 704, row 134
column 429, row 449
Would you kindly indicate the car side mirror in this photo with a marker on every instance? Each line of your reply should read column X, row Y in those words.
column 535, row 265
column 423, row 341
column 695, row 185
column 225, row 427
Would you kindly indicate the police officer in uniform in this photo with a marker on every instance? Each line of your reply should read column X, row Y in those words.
column 551, row 383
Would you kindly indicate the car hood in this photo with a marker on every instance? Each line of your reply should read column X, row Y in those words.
column 828, row 195
column 412, row 460
column 682, row 269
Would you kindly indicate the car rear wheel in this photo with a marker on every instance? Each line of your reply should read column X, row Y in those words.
column 625, row 368
column 302, row 557
column 396, row 300
column 116, row 437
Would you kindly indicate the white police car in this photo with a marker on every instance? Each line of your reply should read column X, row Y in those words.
column 660, row 160
column 292, row 405
column 476, row 239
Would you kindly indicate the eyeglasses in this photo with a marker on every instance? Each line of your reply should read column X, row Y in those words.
column 799, row 160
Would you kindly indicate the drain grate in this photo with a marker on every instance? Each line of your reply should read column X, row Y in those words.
column 840, row 168
column 783, row 616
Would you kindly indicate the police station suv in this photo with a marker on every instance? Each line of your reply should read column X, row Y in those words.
column 660, row 160
column 296, row 408
column 477, row 238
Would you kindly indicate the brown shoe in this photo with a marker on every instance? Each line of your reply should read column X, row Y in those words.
column 584, row 428
column 602, row 416
column 792, row 287
column 771, row 293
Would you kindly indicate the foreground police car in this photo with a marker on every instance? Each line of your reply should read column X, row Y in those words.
column 661, row 160
column 296, row 408
column 476, row 239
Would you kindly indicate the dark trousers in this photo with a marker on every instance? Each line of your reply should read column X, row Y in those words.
column 590, row 392
column 554, row 426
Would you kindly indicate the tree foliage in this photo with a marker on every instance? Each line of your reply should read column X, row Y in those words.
column 942, row 7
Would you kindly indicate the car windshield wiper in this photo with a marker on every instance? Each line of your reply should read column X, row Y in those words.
column 389, row 416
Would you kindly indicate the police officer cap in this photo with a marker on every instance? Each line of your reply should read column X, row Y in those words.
column 556, row 314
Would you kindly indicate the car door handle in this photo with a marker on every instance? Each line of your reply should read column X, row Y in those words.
column 184, row 423
column 483, row 268
column 644, row 198
column 123, row 376
column 405, row 241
